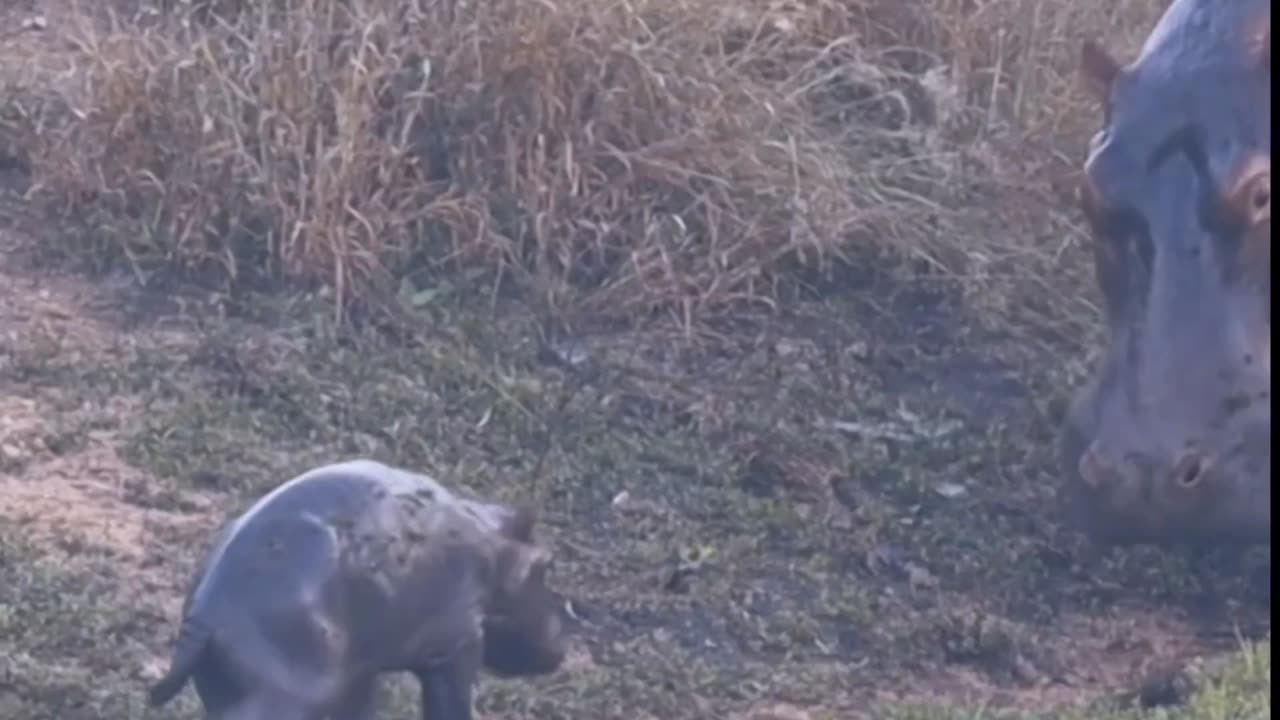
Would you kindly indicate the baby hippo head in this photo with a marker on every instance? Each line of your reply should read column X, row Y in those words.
column 525, row 629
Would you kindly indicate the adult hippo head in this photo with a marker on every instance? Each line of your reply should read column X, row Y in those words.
column 1170, row 440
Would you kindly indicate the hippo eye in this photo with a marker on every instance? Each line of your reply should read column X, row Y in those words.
column 1260, row 196
column 1247, row 208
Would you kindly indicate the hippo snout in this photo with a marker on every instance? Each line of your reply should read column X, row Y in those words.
column 1132, row 487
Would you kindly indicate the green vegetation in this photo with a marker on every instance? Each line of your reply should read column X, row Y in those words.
column 1238, row 688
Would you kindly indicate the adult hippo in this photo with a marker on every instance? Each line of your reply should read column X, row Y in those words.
column 357, row 569
column 1170, row 440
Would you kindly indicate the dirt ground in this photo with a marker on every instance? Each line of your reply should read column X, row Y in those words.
column 890, row 542
column 842, row 509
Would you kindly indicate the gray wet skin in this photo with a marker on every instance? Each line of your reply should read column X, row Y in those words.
column 357, row 569
column 1170, row 440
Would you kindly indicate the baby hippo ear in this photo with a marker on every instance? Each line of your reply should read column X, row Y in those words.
column 517, row 524
column 520, row 564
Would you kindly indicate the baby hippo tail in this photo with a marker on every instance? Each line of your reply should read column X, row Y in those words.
column 193, row 638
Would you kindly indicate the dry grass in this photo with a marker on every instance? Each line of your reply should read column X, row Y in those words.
column 611, row 158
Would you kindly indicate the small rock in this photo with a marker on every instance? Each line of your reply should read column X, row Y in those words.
column 778, row 712
column 785, row 348
column 858, row 350
column 919, row 578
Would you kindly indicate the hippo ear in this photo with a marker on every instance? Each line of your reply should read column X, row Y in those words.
column 1099, row 70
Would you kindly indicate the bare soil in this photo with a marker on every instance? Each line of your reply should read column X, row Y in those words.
column 893, row 541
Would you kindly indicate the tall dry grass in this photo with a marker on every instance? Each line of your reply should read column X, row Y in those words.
column 617, row 157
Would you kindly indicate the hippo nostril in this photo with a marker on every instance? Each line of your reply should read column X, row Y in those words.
column 1190, row 469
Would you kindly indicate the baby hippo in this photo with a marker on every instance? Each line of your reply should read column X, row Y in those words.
column 353, row 570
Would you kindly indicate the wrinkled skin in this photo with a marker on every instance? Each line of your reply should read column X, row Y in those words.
column 1170, row 440
column 354, row 570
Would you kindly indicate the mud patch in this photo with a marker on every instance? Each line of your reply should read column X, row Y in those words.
column 80, row 500
column 94, row 550
column 61, row 479
column 1089, row 658
column 67, row 498
column 33, row 311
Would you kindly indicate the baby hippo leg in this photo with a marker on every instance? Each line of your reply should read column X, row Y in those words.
column 446, row 689
column 358, row 703
column 271, row 707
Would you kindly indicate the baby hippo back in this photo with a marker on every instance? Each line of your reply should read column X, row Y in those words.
column 344, row 572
